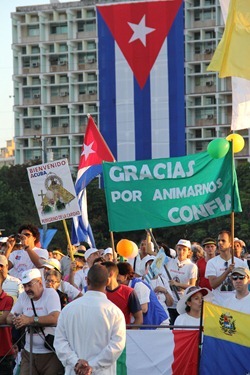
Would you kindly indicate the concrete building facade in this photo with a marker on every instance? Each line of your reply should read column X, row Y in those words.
column 56, row 79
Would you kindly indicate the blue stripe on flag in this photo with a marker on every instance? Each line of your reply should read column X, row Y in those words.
column 88, row 175
column 143, row 149
column 176, row 86
column 224, row 357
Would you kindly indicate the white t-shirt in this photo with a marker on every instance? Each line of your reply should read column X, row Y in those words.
column 181, row 272
column 215, row 267
column 186, row 320
column 142, row 291
column 48, row 303
column 80, row 278
column 138, row 264
column 21, row 261
column 242, row 305
column 69, row 289
column 163, row 282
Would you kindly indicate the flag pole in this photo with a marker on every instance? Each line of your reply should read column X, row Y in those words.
column 112, row 243
column 232, row 200
column 68, row 240
column 172, row 287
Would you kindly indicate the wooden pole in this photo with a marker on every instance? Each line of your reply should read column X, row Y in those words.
column 232, row 202
column 113, row 244
column 68, row 240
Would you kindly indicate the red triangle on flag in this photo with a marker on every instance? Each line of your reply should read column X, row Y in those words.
column 140, row 29
column 94, row 149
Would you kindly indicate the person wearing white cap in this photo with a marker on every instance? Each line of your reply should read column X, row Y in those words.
column 189, row 306
column 239, row 301
column 183, row 274
column 80, row 279
column 41, row 307
column 54, row 279
column 219, row 269
column 108, row 255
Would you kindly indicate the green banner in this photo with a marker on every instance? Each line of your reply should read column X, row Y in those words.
column 169, row 192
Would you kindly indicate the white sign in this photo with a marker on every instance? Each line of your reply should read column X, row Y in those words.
column 53, row 191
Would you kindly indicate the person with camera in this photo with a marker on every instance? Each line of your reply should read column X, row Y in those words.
column 37, row 308
column 30, row 256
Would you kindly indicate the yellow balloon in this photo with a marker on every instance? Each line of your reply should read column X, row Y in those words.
column 238, row 142
column 124, row 248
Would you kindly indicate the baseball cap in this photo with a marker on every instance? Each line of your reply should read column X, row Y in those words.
column 241, row 271
column 3, row 260
column 186, row 243
column 90, row 251
column 108, row 251
column 52, row 264
column 189, row 292
column 29, row 275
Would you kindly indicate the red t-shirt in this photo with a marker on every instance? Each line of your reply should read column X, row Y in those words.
column 6, row 303
column 126, row 299
column 203, row 281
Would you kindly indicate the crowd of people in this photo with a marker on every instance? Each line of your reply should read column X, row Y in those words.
column 73, row 309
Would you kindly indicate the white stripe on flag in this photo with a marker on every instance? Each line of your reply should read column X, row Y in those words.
column 160, row 105
column 159, row 343
column 124, row 108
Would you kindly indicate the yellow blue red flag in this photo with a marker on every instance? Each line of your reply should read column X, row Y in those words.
column 226, row 345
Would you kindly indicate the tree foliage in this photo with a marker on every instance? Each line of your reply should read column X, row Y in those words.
column 17, row 206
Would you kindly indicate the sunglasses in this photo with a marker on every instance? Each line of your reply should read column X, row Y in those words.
column 240, row 277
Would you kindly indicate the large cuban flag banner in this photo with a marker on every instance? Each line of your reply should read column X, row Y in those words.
column 141, row 78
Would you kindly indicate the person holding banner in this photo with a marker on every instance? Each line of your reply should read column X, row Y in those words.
column 219, row 269
column 183, row 274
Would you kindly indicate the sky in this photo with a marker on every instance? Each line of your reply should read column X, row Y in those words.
column 6, row 67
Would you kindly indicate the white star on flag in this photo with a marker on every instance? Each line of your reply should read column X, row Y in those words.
column 140, row 31
column 87, row 150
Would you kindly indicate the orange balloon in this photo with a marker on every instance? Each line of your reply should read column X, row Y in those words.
column 124, row 248
column 238, row 142
column 134, row 252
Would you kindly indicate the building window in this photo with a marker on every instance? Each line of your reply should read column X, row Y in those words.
column 63, row 79
column 91, row 45
column 35, row 49
column 59, row 29
column 90, row 13
column 23, row 50
column 36, row 81
column 33, row 30
column 91, row 77
column 63, row 47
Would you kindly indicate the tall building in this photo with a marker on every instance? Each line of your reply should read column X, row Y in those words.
column 56, row 79
column 208, row 98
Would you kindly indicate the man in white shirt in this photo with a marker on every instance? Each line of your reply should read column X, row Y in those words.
column 240, row 301
column 80, row 278
column 30, row 256
column 44, row 316
column 219, row 268
column 91, row 331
